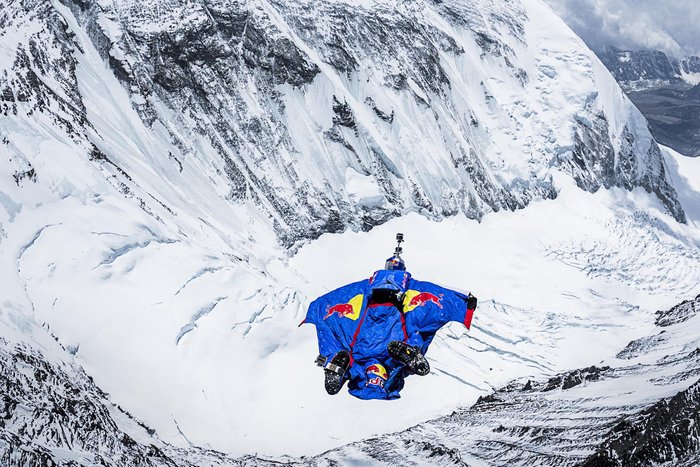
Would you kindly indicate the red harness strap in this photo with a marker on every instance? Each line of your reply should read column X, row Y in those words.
column 357, row 332
column 375, row 305
column 403, row 326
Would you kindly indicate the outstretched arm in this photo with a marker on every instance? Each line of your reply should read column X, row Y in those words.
column 471, row 307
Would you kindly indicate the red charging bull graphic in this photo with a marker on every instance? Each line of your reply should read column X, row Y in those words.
column 343, row 309
column 414, row 298
column 351, row 309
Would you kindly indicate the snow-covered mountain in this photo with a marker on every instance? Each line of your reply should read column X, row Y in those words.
column 176, row 176
column 637, row 70
column 326, row 115
column 665, row 89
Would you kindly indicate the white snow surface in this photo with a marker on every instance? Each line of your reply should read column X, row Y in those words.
column 188, row 320
column 691, row 78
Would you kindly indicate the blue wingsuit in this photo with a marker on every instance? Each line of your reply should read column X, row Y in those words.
column 349, row 319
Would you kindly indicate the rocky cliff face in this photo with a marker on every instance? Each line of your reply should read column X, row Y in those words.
column 332, row 115
column 52, row 414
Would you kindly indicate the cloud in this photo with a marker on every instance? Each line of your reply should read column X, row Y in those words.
column 669, row 25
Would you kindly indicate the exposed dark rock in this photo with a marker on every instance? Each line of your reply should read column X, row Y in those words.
column 389, row 118
column 635, row 347
column 441, row 454
column 487, row 399
column 574, row 378
column 65, row 409
column 46, row 58
column 673, row 112
column 666, row 433
column 630, row 66
column 679, row 313
column 595, row 164
column 206, row 71
column 343, row 114
column 48, row 409
column 27, row 174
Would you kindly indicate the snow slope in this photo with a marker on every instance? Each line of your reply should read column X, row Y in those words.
column 128, row 234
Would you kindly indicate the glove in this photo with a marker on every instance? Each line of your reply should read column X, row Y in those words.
column 471, row 302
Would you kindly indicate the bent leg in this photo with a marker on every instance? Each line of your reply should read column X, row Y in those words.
column 335, row 372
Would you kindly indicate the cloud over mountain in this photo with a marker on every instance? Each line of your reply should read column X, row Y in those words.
column 668, row 26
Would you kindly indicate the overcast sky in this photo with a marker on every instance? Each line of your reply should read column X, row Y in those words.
column 669, row 25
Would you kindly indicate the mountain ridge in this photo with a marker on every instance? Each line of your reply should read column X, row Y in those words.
column 178, row 81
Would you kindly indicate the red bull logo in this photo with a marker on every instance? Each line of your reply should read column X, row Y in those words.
column 351, row 309
column 376, row 375
column 377, row 370
column 414, row 298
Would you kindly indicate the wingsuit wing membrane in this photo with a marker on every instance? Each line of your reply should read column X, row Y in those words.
column 335, row 315
column 428, row 307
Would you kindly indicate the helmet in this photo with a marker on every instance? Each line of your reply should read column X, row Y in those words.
column 395, row 263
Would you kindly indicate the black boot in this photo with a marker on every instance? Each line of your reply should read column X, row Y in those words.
column 409, row 356
column 335, row 372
